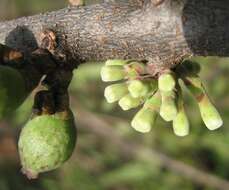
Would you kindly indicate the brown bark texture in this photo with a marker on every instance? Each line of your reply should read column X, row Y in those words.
column 160, row 32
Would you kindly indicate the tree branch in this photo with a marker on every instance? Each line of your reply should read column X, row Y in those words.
column 162, row 34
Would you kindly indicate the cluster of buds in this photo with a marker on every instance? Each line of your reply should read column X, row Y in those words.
column 160, row 94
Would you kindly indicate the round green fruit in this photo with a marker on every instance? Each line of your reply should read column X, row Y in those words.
column 12, row 90
column 46, row 142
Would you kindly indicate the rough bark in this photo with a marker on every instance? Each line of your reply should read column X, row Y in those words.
column 161, row 33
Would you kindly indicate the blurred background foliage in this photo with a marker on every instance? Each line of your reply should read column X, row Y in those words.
column 100, row 164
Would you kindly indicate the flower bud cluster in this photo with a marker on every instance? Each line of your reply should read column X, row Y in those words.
column 162, row 95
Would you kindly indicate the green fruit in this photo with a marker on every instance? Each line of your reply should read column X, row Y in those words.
column 46, row 142
column 112, row 73
column 12, row 90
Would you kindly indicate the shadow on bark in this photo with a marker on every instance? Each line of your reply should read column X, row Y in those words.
column 21, row 38
column 206, row 27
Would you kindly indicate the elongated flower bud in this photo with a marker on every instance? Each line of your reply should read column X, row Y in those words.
column 168, row 110
column 116, row 62
column 115, row 92
column 128, row 102
column 181, row 123
column 166, row 82
column 139, row 88
column 145, row 119
column 209, row 113
column 112, row 73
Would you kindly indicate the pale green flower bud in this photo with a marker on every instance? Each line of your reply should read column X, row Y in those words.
column 128, row 102
column 166, row 82
column 115, row 92
column 181, row 123
column 112, row 73
column 209, row 113
column 144, row 120
column 168, row 110
column 138, row 88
